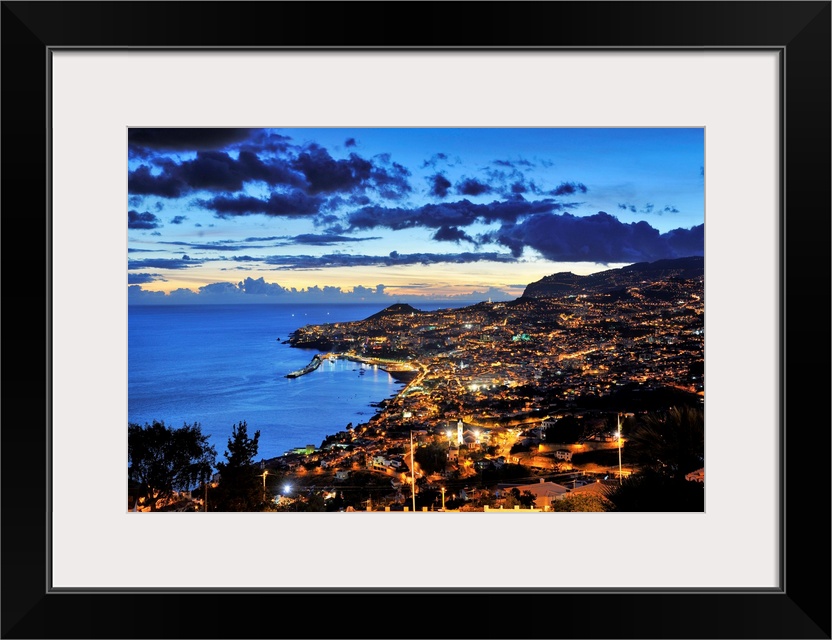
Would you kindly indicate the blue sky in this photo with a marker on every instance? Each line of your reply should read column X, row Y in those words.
column 384, row 214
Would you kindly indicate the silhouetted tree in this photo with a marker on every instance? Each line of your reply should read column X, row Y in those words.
column 241, row 485
column 581, row 502
column 513, row 498
column 162, row 460
column 432, row 458
column 652, row 490
column 667, row 445
column 671, row 442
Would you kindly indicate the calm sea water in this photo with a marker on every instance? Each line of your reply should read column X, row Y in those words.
column 221, row 364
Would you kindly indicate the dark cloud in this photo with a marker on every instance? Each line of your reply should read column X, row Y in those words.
column 515, row 184
column 184, row 139
column 513, row 164
column 141, row 220
column 598, row 238
column 452, row 234
column 451, row 214
column 311, row 170
column 274, row 172
column 143, row 182
column 324, row 239
column 219, row 245
column 350, row 142
column 217, row 171
column 178, row 219
column 325, row 174
column 336, row 203
column 648, row 208
column 391, row 179
column 267, row 140
column 394, row 258
column 439, row 185
column 163, row 263
column 687, row 242
column 294, row 203
column 314, row 239
column 568, row 189
column 144, row 278
column 472, row 187
column 435, row 159
column 509, row 181
column 212, row 171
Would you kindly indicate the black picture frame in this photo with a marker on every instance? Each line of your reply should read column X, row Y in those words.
column 800, row 31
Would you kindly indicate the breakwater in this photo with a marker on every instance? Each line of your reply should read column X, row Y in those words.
column 314, row 364
column 399, row 370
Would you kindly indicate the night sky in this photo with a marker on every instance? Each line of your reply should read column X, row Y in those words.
column 381, row 214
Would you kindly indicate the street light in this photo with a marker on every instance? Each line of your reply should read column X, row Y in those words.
column 443, row 498
column 265, row 473
column 412, row 474
column 620, row 477
column 286, row 489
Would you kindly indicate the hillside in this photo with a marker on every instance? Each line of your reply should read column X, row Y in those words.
column 634, row 275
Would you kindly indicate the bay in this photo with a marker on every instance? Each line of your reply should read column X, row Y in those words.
column 221, row 364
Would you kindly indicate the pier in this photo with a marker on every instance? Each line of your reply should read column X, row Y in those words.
column 313, row 364
column 401, row 370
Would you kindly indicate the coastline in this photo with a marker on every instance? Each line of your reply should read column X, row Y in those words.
column 218, row 378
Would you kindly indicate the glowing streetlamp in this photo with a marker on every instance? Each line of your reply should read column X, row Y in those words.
column 412, row 475
column 620, row 476
column 265, row 473
column 443, row 498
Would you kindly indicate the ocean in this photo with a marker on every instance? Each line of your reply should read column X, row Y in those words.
column 221, row 364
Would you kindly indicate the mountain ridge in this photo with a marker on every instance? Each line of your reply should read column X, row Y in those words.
column 566, row 282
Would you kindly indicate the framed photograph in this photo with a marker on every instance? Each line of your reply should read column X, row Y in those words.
column 457, row 166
